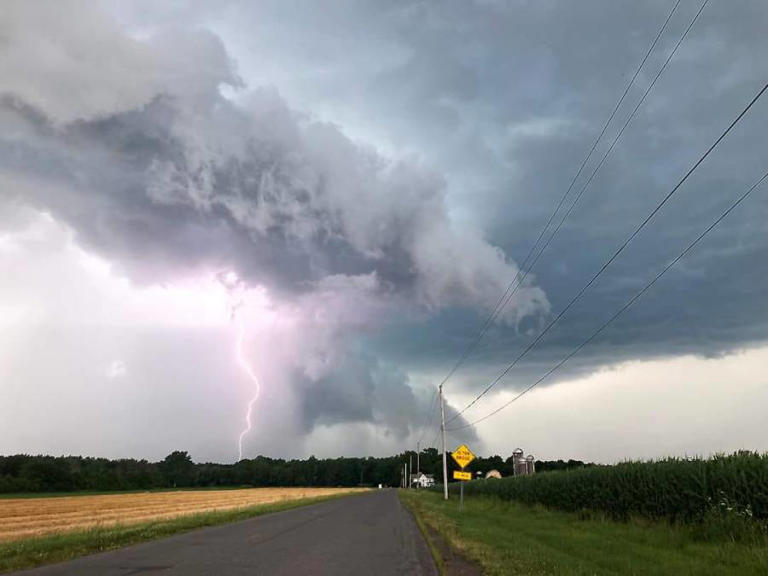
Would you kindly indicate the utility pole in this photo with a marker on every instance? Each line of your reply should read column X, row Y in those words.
column 418, row 449
column 445, row 456
column 410, row 469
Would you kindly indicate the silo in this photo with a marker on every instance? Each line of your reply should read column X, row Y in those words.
column 518, row 462
column 530, row 465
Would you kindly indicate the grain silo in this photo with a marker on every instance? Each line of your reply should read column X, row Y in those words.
column 523, row 465
column 519, row 466
column 530, row 465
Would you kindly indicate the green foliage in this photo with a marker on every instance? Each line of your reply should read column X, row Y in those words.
column 506, row 537
column 20, row 474
column 681, row 490
column 506, row 467
column 178, row 469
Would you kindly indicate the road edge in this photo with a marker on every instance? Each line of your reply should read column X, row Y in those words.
column 457, row 564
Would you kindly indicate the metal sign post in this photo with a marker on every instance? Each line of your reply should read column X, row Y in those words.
column 463, row 456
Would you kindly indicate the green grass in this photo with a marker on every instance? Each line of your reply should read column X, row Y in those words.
column 30, row 552
column 510, row 538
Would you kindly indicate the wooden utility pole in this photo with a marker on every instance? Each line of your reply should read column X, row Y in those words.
column 445, row 455
column 418, row 449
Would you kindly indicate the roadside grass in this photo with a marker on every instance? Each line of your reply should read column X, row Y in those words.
column 31, row 552
column 511, row 538
column 425, row 529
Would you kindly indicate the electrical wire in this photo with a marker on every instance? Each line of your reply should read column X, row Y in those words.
column 616, row 253
column 520, row 276
column 428, row 420
column 602, row 160
column 621, row 310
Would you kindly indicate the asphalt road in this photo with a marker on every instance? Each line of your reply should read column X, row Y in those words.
column 356, row 535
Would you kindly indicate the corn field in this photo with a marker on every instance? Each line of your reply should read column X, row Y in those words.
column 682, row 490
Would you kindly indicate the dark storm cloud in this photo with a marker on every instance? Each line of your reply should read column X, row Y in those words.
column 503, row 99
column 362, row 389
column 506, row 98
column 131, row 144
column 713, row 301
column 153, row 239
column 163, row 173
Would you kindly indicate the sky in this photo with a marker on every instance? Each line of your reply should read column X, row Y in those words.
column 313, row 209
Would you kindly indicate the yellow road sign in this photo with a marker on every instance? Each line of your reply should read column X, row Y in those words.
column 463, row 455
column 462, row 475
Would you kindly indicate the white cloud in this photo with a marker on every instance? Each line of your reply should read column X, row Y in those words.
column 87, row 291
column 78, row 64
column 116, row 370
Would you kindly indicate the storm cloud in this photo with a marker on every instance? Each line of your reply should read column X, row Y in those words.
column 509, row 97
column 150, row 164
column 380, row 170
column 131, row 144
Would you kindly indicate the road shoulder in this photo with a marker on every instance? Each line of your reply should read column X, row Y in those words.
column 449, row 561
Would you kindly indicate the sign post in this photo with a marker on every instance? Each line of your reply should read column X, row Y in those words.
column 462, row 456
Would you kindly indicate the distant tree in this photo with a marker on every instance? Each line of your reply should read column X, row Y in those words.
column 178, row 469
column 553, row 465
column 25, row 473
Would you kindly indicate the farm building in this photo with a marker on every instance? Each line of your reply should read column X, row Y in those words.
column 422, row 480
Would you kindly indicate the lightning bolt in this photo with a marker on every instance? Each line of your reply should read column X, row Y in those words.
column 235, row 288
column 242, row 361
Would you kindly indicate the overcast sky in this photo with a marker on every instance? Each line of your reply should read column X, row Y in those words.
column 342, row 192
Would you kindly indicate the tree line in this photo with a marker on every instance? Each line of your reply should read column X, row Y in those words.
column 26, row 473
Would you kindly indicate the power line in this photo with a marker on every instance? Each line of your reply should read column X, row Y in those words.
column 520, row 278
column 615, row 255
column 430, row 413
column 605, row 155
column 433, row 444
column 621, row 310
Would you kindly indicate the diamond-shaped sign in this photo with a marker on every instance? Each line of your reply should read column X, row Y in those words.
column 463, row 455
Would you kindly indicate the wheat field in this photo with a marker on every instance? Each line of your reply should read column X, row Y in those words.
column 26, row 517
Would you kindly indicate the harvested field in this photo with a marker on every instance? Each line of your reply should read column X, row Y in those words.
column 26, row 517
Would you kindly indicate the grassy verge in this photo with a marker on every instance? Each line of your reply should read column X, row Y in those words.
column 424, row 529
column 510, row 538
column 30, row 552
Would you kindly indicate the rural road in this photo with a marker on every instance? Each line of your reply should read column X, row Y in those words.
column 356, row 535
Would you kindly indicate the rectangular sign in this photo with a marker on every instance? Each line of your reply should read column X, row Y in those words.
column 463, row 455
column 462, row 475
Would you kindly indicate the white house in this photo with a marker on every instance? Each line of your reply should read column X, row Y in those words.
column 422, row 480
